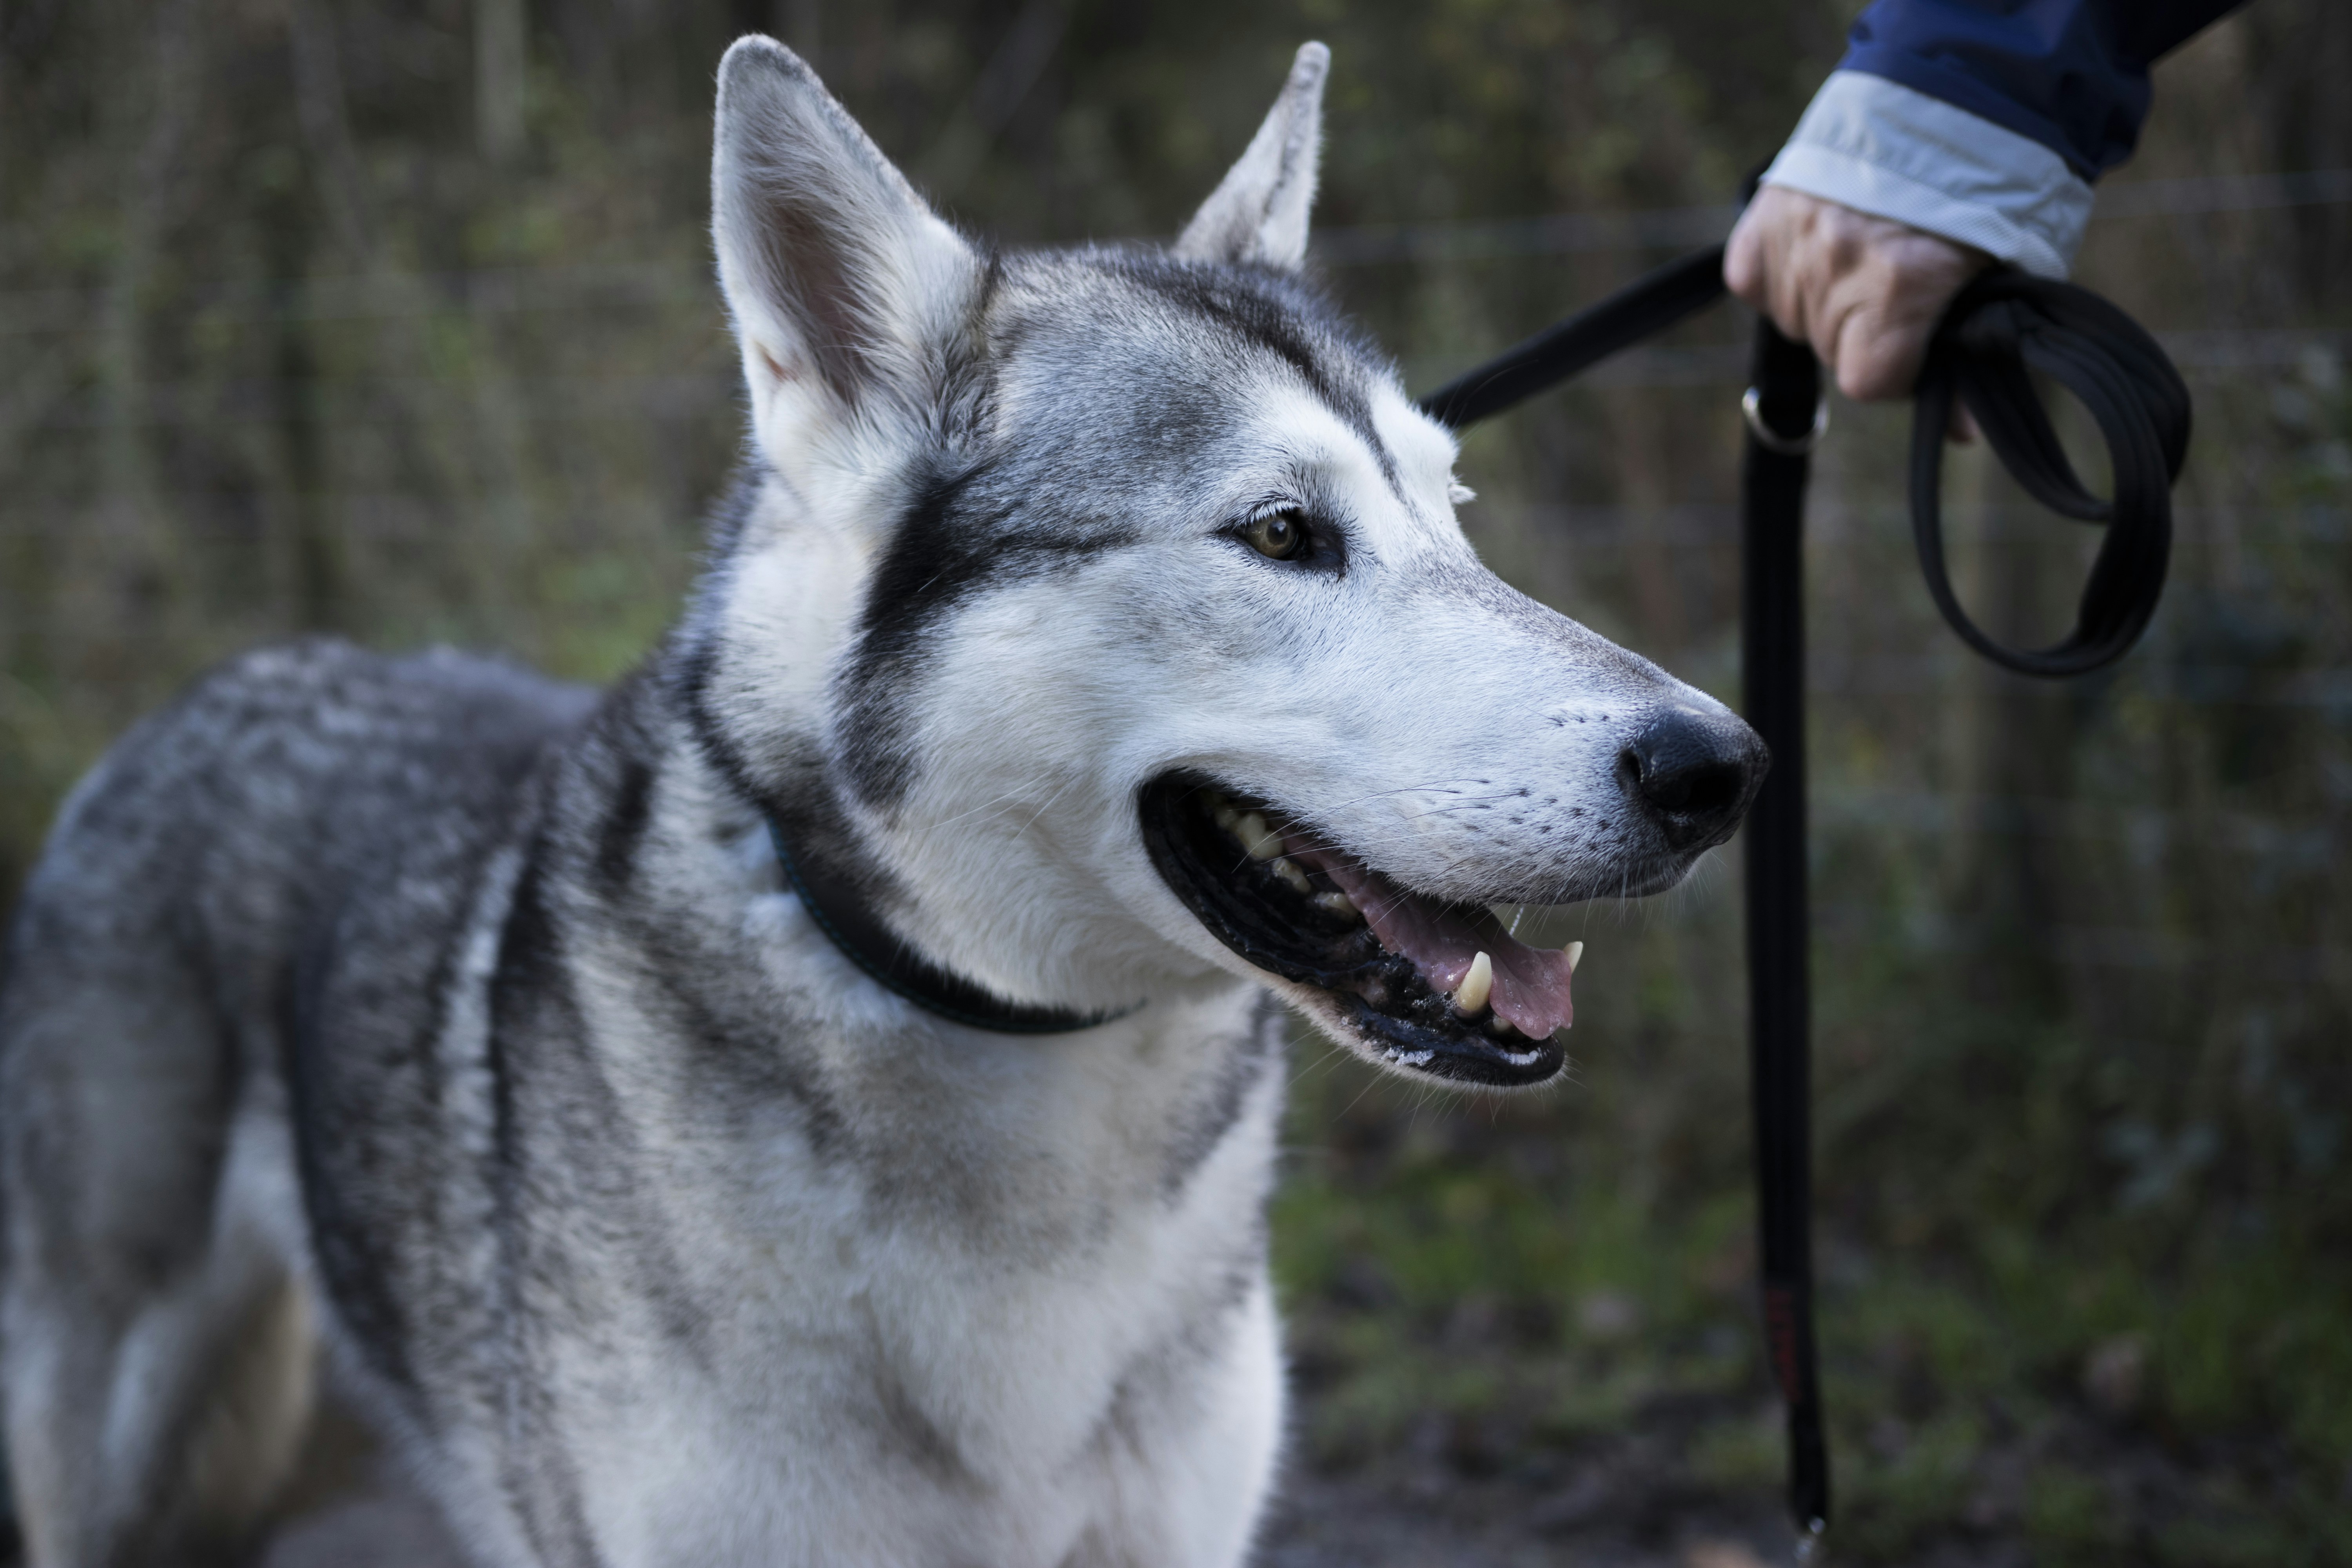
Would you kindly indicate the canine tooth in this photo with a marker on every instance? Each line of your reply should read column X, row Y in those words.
column 1261, row 841
column 1575, row 950
column 1290, row 872
column 1471, row 999
column 1227, row 817
column 1340, row 904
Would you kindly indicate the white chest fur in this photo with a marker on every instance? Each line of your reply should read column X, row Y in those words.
column 1011, row 1307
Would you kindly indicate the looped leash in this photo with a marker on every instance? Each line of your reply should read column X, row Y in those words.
column 2001, row 327
column 1997, row 333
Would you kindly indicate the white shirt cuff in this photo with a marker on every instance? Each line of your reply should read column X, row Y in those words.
column 1882, row 148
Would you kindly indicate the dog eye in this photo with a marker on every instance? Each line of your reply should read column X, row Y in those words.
column 1278, row 536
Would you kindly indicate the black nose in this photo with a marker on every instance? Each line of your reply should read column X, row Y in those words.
column 1696, row 772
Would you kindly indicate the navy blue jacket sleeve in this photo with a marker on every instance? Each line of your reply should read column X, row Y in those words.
column 2070, row 74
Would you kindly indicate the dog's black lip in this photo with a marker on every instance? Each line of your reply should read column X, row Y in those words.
column 1275, row 929
column 1640, row 882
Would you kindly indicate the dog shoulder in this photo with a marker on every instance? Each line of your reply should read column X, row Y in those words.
column 278, row 770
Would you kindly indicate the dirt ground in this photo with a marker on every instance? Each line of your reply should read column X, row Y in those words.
column 1622, row 1503
column 1452, row 1497
column 1364, row 1520
column 1619, row 1505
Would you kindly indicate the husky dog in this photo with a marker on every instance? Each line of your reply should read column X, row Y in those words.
column 815, row 1102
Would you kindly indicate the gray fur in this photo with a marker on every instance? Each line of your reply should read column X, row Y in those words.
column 459, row 1022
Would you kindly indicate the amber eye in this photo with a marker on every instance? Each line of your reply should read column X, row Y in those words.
column 1278, row 536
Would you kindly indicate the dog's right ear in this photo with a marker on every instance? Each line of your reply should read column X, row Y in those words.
column 842, row 281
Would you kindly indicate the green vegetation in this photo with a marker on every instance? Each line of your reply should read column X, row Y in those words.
column 2101, row 1390
column 346, row 318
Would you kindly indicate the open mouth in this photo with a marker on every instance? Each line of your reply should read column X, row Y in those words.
column 1436, row 987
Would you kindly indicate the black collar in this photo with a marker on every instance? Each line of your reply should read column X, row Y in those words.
column 842, row 915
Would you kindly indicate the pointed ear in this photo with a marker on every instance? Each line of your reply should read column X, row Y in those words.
column 842, row 283
column 1258, row 213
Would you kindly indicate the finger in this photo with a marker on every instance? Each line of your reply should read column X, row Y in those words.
column 1787, row 311
column 1917, row 280
column 1743, row 261
column 1790, row 286
column 1782, row 221
column 1831, row 320
column 1879, row 355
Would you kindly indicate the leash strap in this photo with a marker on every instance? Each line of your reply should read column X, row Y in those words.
column 1642, row 309
column 2003, row 327
column 1997, row 333
column 1783, row 404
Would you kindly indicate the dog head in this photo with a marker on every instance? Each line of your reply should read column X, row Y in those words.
column 1102, row 617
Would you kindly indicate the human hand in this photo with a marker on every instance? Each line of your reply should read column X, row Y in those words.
column 1865, row 291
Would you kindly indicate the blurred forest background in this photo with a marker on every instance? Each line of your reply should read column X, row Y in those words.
column 396, row 320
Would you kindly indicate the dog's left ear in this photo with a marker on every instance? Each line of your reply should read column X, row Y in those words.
column 1258, row 213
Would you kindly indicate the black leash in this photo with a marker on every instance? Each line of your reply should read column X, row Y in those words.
column 1785, row 413
column 1642, row 309
column 2000, row 329
column 2004, row 325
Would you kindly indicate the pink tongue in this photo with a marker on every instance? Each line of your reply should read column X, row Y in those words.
column 1531, row 991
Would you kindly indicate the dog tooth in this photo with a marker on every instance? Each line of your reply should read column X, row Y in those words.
column 1575, row 950
column 1283, row 868
column 1227, row 817
column 1340, row 904
column 1261, row 841
column 1470, row 999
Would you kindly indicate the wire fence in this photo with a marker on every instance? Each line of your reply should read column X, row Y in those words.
column 488, row 292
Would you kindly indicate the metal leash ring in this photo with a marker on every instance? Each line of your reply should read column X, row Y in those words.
column 1751, row 408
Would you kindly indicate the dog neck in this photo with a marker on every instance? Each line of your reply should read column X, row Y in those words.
column 852, row 926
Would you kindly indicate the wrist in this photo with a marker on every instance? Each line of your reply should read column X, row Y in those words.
column 1885, row 149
